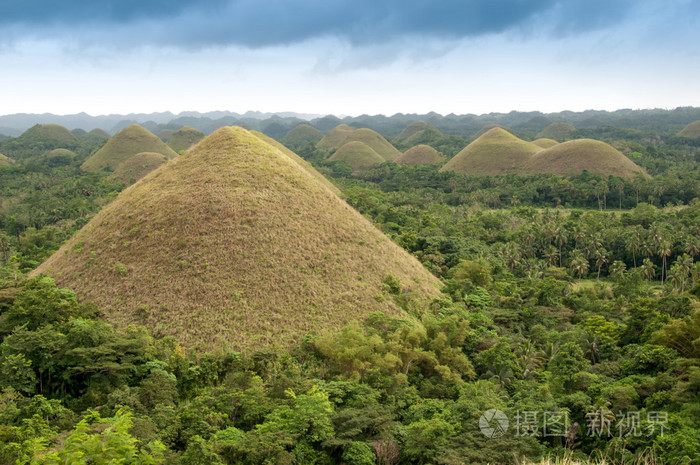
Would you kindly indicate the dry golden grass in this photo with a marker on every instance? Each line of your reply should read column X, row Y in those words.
column 358, row 156
column 557, row 131
column 691, row 131
column 495, row 152
column 137, row 167
column 301, row 135
column 376, row 142
column 335, row 137
column 184, row 138
column 545, row 143
column 420, row 155
column 125, row 144
column 300, row 161
column 234, row 245
column 573, row 157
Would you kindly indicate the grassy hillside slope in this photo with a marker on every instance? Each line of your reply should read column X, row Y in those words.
column 358, row 156
column 420, row 155
column 234, row 245
column 184, row 138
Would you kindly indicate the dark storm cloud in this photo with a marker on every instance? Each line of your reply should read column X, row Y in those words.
column 255, row 23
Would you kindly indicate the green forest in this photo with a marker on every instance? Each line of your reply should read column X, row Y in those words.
column 569, row 309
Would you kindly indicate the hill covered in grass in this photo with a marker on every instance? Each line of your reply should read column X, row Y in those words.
column 335, row 137
column 302, row 135
column 125, row 144
column 557, row 131
column 40, row 139
column 61, row 153
column 691, row 131
column 545, row 143
column 376, row 141
column 420, row 155
column 418, row 132
column 495, row 152
column 235, row 245
column 573, row 157
column 137, row 166
column 358, row 156
column 5, row 161
column 184, row 138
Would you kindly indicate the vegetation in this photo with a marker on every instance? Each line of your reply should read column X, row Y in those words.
column 572, row 305
column 420, row 155
column 558, row 131
column 358, row 156
column 691, row 131
column 125, row 144
column 545, row 143
column 302, row 135
column 335, row 137
column 137, row 166
column 375, row 141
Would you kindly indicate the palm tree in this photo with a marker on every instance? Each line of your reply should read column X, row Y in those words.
column 617, row 269
column 649, row 269
column 560, row 238
column 579, row 264
column 601, row 258
column 664, row 252
column 634, row 244
column 529, row 359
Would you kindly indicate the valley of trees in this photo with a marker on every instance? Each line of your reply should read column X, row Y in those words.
column 572, row 305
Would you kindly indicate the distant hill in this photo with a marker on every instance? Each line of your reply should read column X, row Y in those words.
column 165, row 134
column 137, row 166
column 302, row 135
column 573, row 157
column 376, row 141
column 40, row 139
column 545, row 143
column 184, row 138
column 358, row 156
column 335, row 137
column 557, row 131
column 125, row 144
column 496, row 152
column 418, row 132
column 234, row 246
column 420, row 155
column 691, row 131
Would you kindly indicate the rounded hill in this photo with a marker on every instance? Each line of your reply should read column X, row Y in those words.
column 557, row 131
column 376, row 141
column 358, row 156
column 125, row 144
column 691, row 131
column 302, row 135
column 5, row 161
column 417, row 133
column 138, row 166
column 495, row 152
column 420, row 155
column 234, row 246
column 335, row 137
column 184, row 138
column 573, row 157
column 40, row 139
column 545, row 143
column 61, row 153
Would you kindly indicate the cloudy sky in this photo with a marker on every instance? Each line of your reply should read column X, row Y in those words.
column 347, row 57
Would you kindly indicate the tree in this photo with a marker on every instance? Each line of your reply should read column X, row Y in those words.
column 648, row 269
column 579, row 264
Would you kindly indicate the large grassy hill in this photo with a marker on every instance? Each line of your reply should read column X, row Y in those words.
column 418, row 132
column 184, row 138
column 545, row 143
column 358, row 156
column 496, row 152
column 376, row 141
column 573, row 157
column 420, row 155
column 234, row 245
column 302, row 135
column 125, row 144
column 335, row 137
column 691, row 131
column 5, row 161
column 40, row 139
column 138, row 166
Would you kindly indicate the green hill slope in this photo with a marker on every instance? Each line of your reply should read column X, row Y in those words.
column 335, row 137
column 376, row 141
column 418, row 132
column 234, row 245
column 573, row 157
column 420, row 155
column 691, row 131
column 545, row 143
column 495, row 152
column 302, row 135
column 358, row 156
column 125, row 144
column 557, row 131
column 138, row 166
column 5, row 161
column 40, row 139
column 184, row 138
